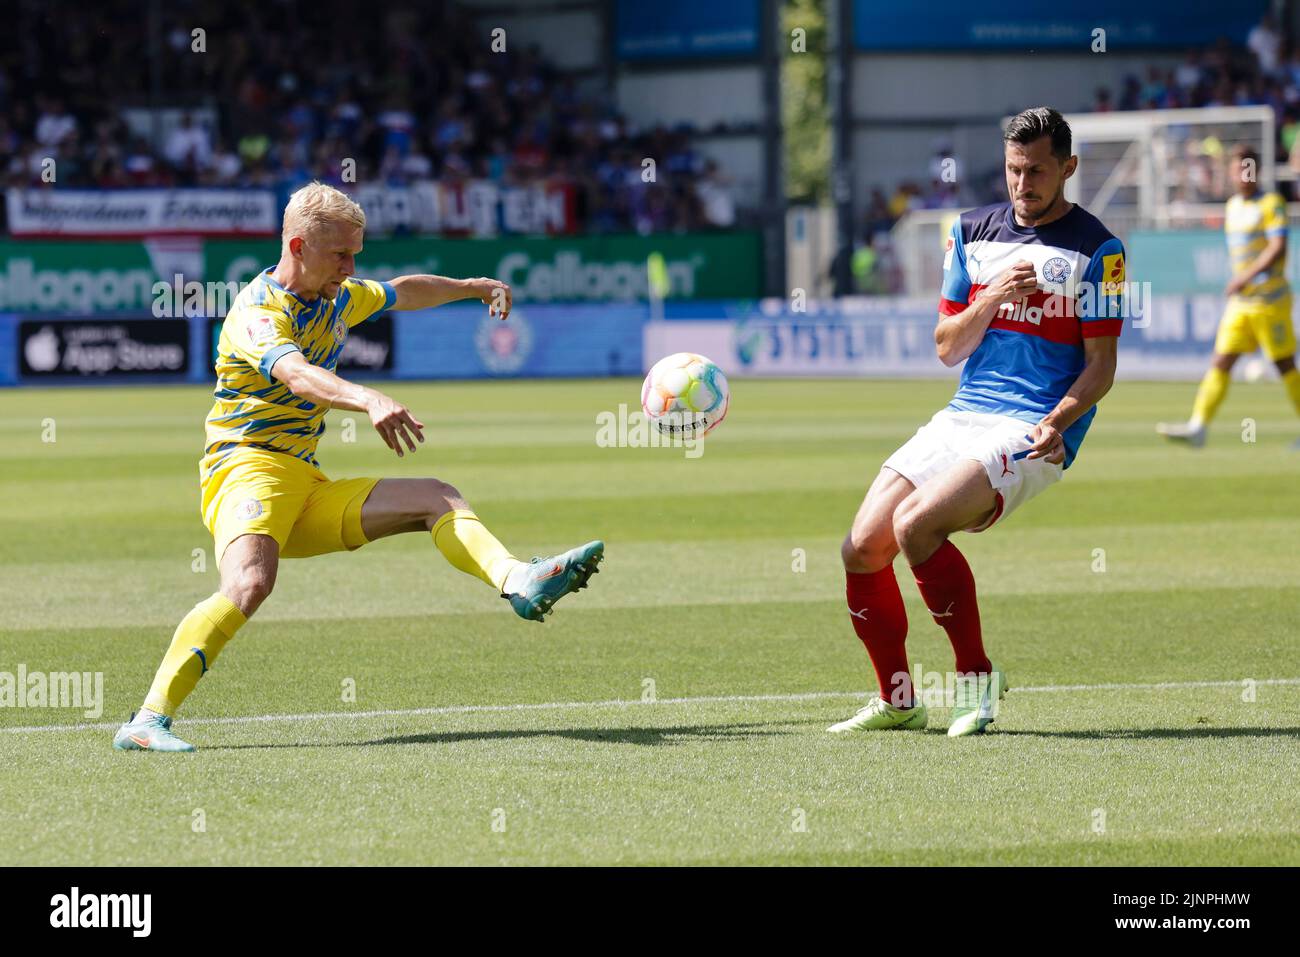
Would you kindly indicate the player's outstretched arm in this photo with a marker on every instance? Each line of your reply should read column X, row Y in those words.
column 957, row 336
column 425, row 292
column 392, row 420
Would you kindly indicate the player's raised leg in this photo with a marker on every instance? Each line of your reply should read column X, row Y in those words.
column 960, row 498
column 248, row 570
column 429, row 505
column 1209, row 396
column 876, row 608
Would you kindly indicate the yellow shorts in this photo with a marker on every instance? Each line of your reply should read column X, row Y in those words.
column 1247, row 327
column 268, row 493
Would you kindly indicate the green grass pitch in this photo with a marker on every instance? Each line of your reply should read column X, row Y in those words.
column 1129, row 736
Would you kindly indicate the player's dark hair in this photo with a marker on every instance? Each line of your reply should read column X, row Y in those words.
column 1244, row 151
column 1034, row 124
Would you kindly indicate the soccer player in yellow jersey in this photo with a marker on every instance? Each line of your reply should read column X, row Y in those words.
column 263, row 494
column 1259, row 297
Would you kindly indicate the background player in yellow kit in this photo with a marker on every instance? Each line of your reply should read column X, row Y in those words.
column 263, row 494
column 1258, row 313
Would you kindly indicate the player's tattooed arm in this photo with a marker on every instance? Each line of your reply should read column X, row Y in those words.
column 957, row 336
column 1098, row 375
column 392, row 420
column 425, row 292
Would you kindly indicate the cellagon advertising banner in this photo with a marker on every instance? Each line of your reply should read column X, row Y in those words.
column 129, row 276
column 540, row 269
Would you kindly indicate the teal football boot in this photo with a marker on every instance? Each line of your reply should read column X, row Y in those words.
column 544, row 581
column 152, row 732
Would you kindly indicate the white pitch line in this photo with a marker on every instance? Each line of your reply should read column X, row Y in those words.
column 623, row 703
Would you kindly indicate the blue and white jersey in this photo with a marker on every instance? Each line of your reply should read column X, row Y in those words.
column 1033, row 350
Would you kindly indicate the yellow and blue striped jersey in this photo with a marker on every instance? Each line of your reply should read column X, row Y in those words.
column 1249, row 224
column 252, row 409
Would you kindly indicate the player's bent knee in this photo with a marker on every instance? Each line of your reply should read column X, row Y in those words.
column 250, row 587
column 872, row 547
column 441, row 497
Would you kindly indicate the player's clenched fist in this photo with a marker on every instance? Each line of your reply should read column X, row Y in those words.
column 494, row 294
column 394, row 422
column 1015, row 284
column 1048, row 444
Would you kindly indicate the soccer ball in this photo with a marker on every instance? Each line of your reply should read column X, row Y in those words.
column 685, row 394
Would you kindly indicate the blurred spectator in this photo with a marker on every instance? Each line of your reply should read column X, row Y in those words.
column 717, row 205
column 1266, row 43
column 189, row 148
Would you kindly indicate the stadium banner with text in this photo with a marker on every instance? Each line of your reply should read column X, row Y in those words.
column 894, row 337
column 92, row 277
column 675, row 29
column 457, row 341
column 1002, row 24
column 539, row 269
column 142, row 212
column 83, row 276
column 468, row 208
column 462, row 208
column 141, row 348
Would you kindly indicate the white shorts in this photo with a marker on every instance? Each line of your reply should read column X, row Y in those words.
column 998, row 442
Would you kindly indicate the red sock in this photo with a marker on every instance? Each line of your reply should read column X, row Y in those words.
column 948, row 588
column 879, row 618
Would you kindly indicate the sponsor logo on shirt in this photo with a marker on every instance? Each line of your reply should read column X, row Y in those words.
column 260, row 330
column 1112, row 274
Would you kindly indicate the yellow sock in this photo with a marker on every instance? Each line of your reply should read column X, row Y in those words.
column 469, row 546
column 1214, row 387
column 1292, row 382
column 198, row 640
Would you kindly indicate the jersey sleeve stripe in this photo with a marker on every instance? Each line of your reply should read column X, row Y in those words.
column 1095, row 328
column 270, row 357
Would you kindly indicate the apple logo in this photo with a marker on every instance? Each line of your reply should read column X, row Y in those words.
column 42, row 350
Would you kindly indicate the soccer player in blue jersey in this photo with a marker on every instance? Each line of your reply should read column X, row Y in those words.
column 1031, row 300
column 264, row 496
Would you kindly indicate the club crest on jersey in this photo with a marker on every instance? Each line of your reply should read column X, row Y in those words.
column 1056, row 270
column 248, row 509
column 340, row 329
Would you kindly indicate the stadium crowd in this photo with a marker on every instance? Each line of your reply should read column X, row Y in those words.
column 268, row 106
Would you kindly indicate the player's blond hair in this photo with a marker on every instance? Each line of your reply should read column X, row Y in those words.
column 317, row 205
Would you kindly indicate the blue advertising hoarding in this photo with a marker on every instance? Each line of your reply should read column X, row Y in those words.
column 1005, row 25
column 671, row 29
